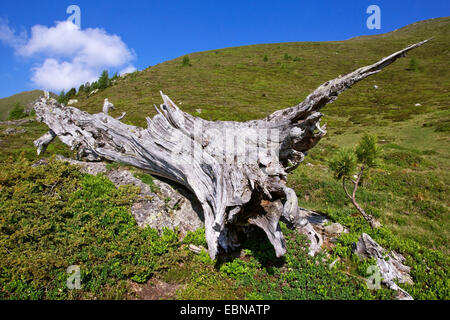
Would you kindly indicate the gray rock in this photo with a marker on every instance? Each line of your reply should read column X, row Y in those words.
column 319, row 221
column 334, row 240
column 93, row 168
column 72, row 102
column 195, row 249
column 334, row 228
column 314, row 217
column 40, row 162
column 16, row 122
column 12, row 131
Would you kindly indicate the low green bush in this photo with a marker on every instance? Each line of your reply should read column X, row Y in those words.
column 52, row 217
column 17, row 112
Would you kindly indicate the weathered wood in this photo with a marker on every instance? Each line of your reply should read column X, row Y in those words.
column 237, row 170
column 390, row 265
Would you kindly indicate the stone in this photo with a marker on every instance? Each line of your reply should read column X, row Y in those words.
column 16, row 122
column 195, row 249
column 40, row 162
column 375, row 86
column 315, row 218
column 12, row 131
column 417, row 105
column 334, row 228
column 72, row 102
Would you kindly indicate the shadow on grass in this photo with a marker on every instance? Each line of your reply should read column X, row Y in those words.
column 254, row 244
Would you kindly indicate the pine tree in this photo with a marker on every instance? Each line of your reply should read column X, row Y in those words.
column 348, row 165
column 62, row 97
column 70, row 94
column 103, row 81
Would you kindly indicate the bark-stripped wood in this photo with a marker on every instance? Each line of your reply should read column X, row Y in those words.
column 237, row 170
column 390, row 265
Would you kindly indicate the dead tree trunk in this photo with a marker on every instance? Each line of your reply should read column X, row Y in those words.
column 236, row 170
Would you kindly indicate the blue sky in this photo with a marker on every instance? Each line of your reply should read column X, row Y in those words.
column 154, row 31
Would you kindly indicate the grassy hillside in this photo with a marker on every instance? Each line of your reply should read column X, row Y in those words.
column 408, row 192
column 24, row 98
column 237, row 84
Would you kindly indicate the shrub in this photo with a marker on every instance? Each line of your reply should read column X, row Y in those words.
column 59, row 217
column 148, row 180
column 413, row 65
column 62, row 98
column 103, row 82
column 343, row 164
column 367, row 151
column 17, row 112
column 186, row 62
column 71, row 93
column 237, row 268
column 196, row 237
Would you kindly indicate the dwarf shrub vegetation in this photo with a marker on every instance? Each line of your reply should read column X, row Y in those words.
column 17, row 112
column 53, row 216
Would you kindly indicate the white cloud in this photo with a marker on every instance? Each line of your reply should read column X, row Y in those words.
column 68, row 56
column 55, row 75
column 8, row 36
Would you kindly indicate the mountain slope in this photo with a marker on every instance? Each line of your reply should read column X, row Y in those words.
column 408, row 192
column 24, row 98
column 237, row 84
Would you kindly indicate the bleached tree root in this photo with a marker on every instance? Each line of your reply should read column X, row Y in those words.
column 236, row 170
column 390, row 265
